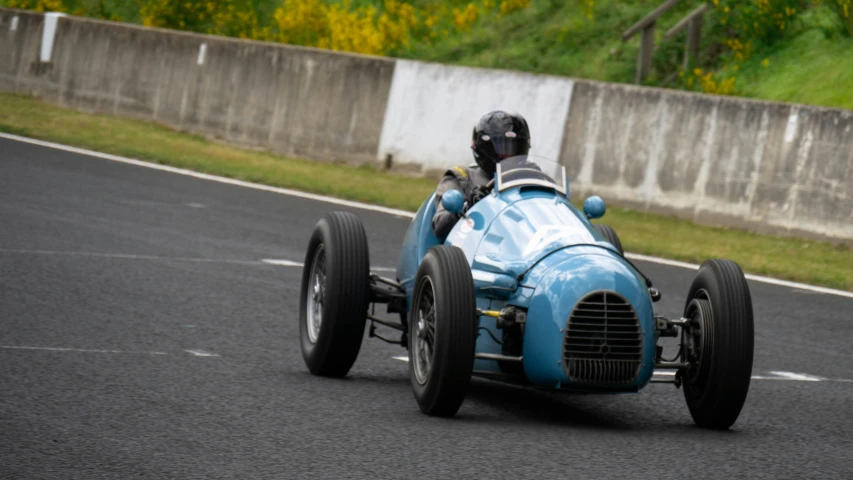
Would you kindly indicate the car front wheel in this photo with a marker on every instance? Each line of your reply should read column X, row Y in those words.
column 335, row 295
column 443, row 327
column 720, row 341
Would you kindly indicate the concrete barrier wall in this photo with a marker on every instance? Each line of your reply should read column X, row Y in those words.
column 766, row 166
column 297, row 101
column 771, row 166
column 20, row 39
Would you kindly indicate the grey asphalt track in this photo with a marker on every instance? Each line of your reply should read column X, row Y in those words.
column 135, row 268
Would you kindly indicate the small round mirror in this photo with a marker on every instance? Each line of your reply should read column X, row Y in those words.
column 594, row 207
column 453, row 201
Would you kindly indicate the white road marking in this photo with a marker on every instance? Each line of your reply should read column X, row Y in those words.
column 802, row 377
column 127, row 256
column 204, row 176
column 749, row 276
column 146, row 203
column 195, row 205
column 86, row 350
column 282, row 263
column 775, row 375
column 197, row 353
column 365, row 206
column 201, row 353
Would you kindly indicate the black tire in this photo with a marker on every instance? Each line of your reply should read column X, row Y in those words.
column 339, row 239
column 610, row 235
column 441, row 391
column 720, row 304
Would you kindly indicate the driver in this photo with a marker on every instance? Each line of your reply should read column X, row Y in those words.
column 498, row 135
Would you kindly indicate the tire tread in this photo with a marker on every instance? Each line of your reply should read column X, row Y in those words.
column 731, row 356
column 610, row 235
column 454, row 360
column 347, row 285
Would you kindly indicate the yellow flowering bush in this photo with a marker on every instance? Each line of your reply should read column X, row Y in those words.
column 37, row 5
column 302, row 22
column 741, row 27
column 376, row 27
column 237, row 19
column 464, row 18
column 193, row 15
column 509, row 6
column 376, row 30
column 353, row 31
column 760, row 20
column 340, row 26
column 397, row 23
column 707, row 82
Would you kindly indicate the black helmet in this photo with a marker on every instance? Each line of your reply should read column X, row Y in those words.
column 498, row 135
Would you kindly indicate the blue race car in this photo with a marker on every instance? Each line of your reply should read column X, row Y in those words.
column 525, row 290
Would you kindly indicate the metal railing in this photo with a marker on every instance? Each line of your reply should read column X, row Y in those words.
column 692, row 22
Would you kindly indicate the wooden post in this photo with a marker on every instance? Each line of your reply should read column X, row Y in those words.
column 644, row 57
column 693, row 23
column 694, row 36
column 647, row 43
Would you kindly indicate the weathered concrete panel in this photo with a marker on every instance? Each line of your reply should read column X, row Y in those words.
column 20, row 38
column 432, row 110
column 769, row 166
column 298, row 101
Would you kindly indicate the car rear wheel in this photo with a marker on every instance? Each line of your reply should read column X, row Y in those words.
column 610, row 235
column 335, row 295
column 720, row 340
column 443, row 327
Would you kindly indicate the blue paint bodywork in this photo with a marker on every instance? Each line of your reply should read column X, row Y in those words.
column 546, row 256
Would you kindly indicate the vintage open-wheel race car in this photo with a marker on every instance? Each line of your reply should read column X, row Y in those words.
column 525, row 290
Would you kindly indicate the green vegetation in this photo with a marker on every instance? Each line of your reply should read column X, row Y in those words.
column 554, row 37
column 148, row 141
column 787, row 258
column 812, row 67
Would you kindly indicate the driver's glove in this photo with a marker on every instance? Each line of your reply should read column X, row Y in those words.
column 477, row 195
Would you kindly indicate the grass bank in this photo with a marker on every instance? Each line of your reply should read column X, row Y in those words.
column 786, row 258
column 811, row 67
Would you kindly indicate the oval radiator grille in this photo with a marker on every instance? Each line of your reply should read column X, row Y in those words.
column 603, row 342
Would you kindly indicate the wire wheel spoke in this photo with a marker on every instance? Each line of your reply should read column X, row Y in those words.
column 695, row 340
column 424, row 331
column 429, row 323
column 316, row 294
